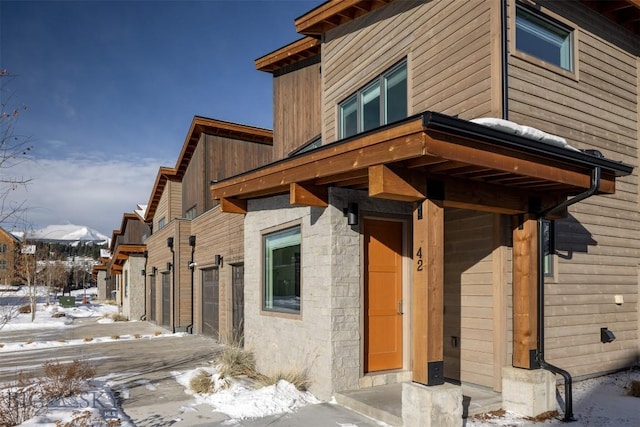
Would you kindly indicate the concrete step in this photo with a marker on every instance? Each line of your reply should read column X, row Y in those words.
column 383, row 403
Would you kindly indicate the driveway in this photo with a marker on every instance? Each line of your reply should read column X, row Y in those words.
column 140, row 371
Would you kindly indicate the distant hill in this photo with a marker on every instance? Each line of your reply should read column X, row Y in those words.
column 69, row 233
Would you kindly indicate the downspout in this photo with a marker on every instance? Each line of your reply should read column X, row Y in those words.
column 568, row 381
column 146, row 258
column 192, row 267
column 505, row 59
column 173, row 282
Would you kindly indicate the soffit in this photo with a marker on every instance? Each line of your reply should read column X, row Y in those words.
column 291, row 54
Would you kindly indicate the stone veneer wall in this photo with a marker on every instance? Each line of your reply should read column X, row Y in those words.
column 133, row 305
column 326, row 338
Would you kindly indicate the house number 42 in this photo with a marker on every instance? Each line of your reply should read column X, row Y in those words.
column 420, row 266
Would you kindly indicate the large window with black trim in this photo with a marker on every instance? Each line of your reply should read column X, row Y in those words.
column 543, row 37
column 281, row 275
column 382, row 101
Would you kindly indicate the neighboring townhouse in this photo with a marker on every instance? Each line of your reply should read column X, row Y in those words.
column 127, row 265
column 9, row 247
column 395, row 240
column 195, row 262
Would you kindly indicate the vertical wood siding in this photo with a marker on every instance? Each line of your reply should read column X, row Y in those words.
column 448, row 46
column 296, row 109
column 598, row 243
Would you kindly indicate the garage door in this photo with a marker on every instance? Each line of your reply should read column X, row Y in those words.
column 210, row 302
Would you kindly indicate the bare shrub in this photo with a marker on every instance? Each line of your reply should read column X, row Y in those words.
column 156, row 333
column 86, row 419
column 634, row 388
column 299, row 379
column 64, row 380
column 202, row 382
column 115, row 337
column 20, row 401
column 88, row 339
column 137, row 336
column 24, row 309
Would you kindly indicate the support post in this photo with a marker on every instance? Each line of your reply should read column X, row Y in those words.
column 428, row 293
column 525, row 276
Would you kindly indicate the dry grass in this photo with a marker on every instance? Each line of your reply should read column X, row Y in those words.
column 235, row 361
column 156, row 333
column 117, row 317
column 115, row 337
column 549, row 415
column 25, row 309
column 499, row 413
column 634, row 389
column 137, row 336
column 299, row 379
column 202, row 382
column 1, row 345
column 64, row 380
column 88, row 339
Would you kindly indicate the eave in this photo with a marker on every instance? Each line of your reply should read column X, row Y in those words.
column 164, row 174
column 624, row 12
column 124, row 251
column 334, row 13
column 293, row 53
column 478, row 167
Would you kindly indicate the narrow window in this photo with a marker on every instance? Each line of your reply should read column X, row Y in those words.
column 544, row 38
column 161, row 222
column 282, row 271
column 382, row 101
column 548, row 246
column 191, row 213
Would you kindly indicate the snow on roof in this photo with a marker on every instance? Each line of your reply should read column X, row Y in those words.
column 525, row 131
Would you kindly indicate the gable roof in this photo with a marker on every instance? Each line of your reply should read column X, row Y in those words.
column 293, row 53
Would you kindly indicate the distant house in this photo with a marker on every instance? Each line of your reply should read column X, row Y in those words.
column 396, row 240
column 126, row 266
column 194, row 271
column 9, row 246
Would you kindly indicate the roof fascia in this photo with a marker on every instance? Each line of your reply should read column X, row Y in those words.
column 300, row 49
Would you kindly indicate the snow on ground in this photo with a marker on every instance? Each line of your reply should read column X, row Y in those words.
column 598, row 402
column 239, row 398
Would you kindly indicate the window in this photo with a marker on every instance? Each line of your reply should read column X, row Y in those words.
column 126, row 283
column 3, row 247
column 548, row 229
column 3, row 264
column 544, row 38
column 191, row 213
column 282, row 271
column 382, row 101
column 162, row 222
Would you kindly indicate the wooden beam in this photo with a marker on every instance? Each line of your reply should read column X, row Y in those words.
column 428, row 293
column 525, row 280
column 476, row 195
column 233, row 206
column 385, row 183
column 308, row 195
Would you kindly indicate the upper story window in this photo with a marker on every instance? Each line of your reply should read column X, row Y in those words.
column 191, row 213
column 382, row 101
column 3, row 247
column 544, row 38
column 162, row 222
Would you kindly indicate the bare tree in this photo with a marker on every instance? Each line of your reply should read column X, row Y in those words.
column 14, row 149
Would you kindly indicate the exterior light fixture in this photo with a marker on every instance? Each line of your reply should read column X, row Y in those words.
column 169, row 266
column 606, row 335
column 154, row 270
column 192, row 241
column 143, row 273
column 217, row 260
column 170, row 242
column 351, row 212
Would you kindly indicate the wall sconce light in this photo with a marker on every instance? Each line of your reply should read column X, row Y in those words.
column 192, row 265
column 170, row 242
column 217, row 260
column 192, row 241
column 169, row 266
column 154, row 270
column 351, row 212
column 606, row 335
column 143, row 273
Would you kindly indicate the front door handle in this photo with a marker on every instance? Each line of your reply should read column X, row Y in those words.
column 400, row 312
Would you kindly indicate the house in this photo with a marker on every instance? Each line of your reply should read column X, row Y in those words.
column 99, row 275
column 9, row 247
column 127, row 265
column 397, row 240
column 195, row 264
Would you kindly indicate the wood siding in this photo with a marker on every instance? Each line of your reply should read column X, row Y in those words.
column 216, row 158
column 448, row 46
column 217, row 234
column 468, row 297
column 170, row 204
column 296, row 109
column 598, row 246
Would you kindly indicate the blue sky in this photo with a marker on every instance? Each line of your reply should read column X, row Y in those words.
column 111, row 88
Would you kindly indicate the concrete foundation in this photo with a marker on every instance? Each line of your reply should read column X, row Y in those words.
column 528, row 392
column 431, row 406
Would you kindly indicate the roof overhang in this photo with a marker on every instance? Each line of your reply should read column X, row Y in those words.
column 124, row 251
column 334, row 13
column 463, row 163
column 293, row 53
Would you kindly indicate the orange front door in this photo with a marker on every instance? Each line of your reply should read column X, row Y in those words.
column 383, row 295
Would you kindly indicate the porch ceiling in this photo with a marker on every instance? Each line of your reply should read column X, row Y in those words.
column 123, row 251
column 474, row 165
